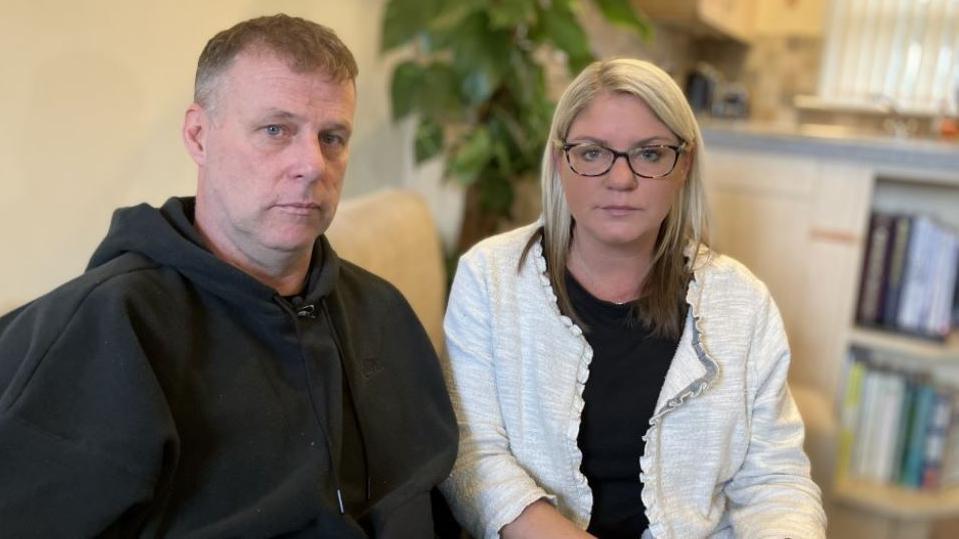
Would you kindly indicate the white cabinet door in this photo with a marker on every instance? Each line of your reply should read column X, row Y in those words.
column 797, row 223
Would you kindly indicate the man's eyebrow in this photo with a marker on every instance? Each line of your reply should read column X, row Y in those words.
column 279, row 114
column 338, row 126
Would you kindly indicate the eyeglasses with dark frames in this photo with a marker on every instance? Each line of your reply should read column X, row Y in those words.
column 591, row 159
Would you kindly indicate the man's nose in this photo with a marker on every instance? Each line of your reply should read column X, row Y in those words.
column 620, row 176
column 309, row 160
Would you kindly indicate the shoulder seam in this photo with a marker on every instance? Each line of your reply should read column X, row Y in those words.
column 15, row 398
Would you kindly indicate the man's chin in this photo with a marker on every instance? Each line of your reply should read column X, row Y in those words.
column 296, row 242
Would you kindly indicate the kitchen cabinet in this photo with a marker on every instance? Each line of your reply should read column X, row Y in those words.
column 731, row 19
column 798, row 18
column 797, row 223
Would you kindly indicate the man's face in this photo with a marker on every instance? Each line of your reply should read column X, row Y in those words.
column 272, row 151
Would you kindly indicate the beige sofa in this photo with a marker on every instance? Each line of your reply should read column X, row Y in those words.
column 392, row 234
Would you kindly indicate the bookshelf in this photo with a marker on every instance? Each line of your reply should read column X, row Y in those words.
column 907, row 347
column 797, row 212
column 897, row 502
column 911, row 510
column 891, row 512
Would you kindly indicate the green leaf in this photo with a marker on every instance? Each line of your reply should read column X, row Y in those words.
column 471, row 156
column 428, row 141
column 511, row 13
column 479, row 84
column 404, row 19
column 496, row 194
column 621, row 12
column 526, row 79
column 407, row 80
column 478, row 56
column 559, row 26
column 432, row 90
column 438, row 96
column 444, row 30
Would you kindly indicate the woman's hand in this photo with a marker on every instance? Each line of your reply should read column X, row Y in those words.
column 540, row 519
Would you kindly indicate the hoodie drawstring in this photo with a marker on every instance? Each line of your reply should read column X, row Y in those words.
column 356, row 408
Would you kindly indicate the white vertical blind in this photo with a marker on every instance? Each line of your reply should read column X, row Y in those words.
column 903, row 53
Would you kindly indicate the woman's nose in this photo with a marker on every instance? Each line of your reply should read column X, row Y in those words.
column 620, row 176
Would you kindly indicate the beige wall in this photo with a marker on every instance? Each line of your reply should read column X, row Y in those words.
column 91, row 98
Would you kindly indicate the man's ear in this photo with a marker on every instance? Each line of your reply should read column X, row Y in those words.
column 196, row 124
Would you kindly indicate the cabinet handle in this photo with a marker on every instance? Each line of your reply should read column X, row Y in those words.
column 835, row 236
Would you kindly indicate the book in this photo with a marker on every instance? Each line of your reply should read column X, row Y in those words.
column 935, row 441
column 863, row 449
column 911, row 475
column 887, row 430
column 949, row 476
column 905, row 424
column 849, row 414
column 874, row 269
column 917, row 274
column 955, row 307
column 944, row 285
column 897, row 264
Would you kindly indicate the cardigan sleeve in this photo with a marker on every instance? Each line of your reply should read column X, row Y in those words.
column 772, row 494
column 487, row 488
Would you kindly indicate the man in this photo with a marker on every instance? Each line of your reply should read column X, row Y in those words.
column 217, row 371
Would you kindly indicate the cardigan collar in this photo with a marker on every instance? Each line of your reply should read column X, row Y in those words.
column 692, row 369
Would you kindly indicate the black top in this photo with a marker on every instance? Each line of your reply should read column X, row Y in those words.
column 625, row 377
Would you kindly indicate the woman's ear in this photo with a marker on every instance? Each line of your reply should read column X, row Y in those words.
column 687, row 163
column 557, row 157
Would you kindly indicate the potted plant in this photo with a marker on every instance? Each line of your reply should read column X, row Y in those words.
column 474, row 80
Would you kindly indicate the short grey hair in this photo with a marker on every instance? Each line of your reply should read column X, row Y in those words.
column 305, row 45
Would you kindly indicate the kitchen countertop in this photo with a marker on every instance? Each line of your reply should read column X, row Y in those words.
column 887, row 154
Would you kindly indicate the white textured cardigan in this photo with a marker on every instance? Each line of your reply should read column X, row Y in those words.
column 723, row 451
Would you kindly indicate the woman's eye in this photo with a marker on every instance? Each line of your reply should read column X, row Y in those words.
column 650, row 154
column 590, row 153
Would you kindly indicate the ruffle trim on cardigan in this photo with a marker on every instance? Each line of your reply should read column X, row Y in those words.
column 648, row 475
column 580, row 482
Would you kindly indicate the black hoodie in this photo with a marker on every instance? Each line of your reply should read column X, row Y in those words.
column 165, row 392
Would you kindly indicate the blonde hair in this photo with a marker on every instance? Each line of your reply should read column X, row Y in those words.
column 660, row 305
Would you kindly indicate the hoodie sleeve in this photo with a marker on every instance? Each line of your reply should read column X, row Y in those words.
column 772, row 494
column 83, row 422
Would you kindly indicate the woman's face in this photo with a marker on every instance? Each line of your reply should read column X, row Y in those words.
column 619, row 209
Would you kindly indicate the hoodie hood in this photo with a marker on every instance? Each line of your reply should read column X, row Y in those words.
column 166, row 236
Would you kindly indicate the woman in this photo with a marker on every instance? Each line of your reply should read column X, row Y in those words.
column 609, row 372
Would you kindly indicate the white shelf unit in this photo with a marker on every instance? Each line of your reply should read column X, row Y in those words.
column 800, row 223
column 896, row 511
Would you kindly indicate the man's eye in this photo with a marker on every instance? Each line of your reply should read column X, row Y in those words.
column 273, row 130
column 333, row 139
column 333, row 143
